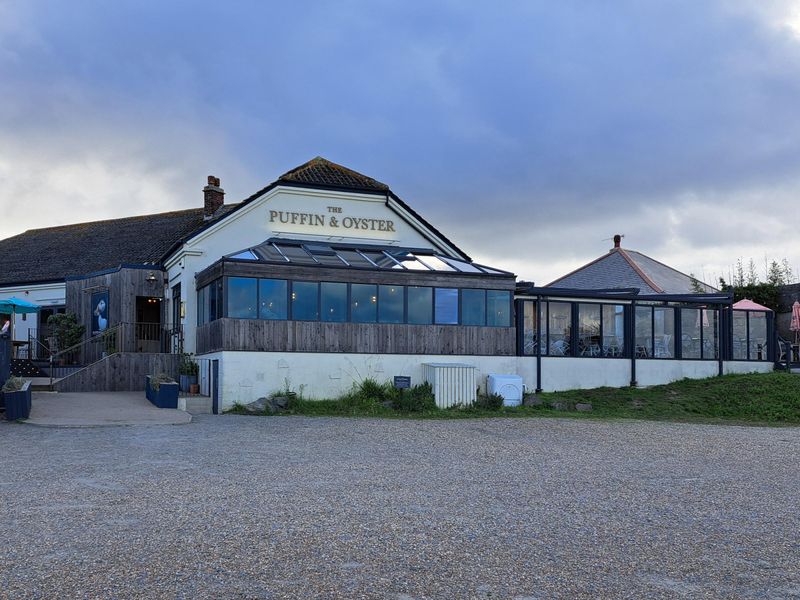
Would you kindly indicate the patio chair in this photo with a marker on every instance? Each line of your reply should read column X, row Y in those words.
column 662, row 346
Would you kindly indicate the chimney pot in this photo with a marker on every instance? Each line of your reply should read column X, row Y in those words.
column 617, row 240
column 213, row 197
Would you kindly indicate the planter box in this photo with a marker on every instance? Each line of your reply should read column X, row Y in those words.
column 18, row 404
column 165, row 397
column 186, row 381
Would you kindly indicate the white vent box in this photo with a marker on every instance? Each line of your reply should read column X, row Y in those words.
column 453, row 383
column 508, row 386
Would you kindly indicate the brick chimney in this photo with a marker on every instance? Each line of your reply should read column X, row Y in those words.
column 617, row 240
column 213, row 197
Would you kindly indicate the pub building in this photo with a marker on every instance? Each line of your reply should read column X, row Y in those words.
column 326, row 277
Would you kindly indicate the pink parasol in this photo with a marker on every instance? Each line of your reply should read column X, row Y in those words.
column 795, row 324
column 747, row 304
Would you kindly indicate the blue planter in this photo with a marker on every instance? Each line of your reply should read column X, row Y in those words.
column 165, row 397
column 18, row 404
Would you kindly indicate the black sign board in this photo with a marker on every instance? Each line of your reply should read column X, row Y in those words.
column 402, row 382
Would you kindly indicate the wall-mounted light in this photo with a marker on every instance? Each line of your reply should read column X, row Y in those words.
column 183, row 309
column 151, row 277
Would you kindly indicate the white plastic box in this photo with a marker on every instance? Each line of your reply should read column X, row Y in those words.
column 510, row 387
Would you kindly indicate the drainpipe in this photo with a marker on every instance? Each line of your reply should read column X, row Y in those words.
column 538, row 344
column 632, row 341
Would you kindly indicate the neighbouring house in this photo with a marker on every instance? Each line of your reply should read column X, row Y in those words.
column 325, row 277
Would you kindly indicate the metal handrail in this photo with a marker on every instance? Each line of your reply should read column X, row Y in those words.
column 105, row 336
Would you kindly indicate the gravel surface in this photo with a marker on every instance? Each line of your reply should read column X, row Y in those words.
column 253, row 507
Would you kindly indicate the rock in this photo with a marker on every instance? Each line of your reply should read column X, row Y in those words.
column 278, row 404
column 387, row 404
column 532, row 401
column 557, row 405
column 256, row 407
column 583, row 407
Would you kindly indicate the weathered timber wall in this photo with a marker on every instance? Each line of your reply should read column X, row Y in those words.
column 371, row 338
column 121, row 372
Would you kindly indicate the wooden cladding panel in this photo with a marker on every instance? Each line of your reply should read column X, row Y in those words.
column 370, row 338
column 119, row 372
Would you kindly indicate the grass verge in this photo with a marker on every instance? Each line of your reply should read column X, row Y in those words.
column 757, row 399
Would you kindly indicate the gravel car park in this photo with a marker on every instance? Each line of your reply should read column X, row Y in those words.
column 294, row 507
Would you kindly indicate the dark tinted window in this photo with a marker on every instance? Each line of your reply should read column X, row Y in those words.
column 390, row 303
column 363, row 303
column 334, row 302
column 420, row 305
column 242, row 298
column 305, row 301
column 272, row 299
column 473, row 307
column 446, row 306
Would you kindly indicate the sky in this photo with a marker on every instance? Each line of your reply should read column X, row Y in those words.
column 528, row 132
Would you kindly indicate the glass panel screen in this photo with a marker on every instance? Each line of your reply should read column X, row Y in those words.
column 530, row 328
column 498, row 308
column 739, row 335
column 304, row 300
column 559, row 328
column 390, row 303
column 242, row 298
column 363, row 303
column 643, row 326
column 446, row 306
column 663, row 332
column 690, row 333
column 333, row 299
column 272, row 299
column 589, row 330
column 613, row 343
column 473, row 307
column 758, row 336
column 710, row 333
column 420, row 305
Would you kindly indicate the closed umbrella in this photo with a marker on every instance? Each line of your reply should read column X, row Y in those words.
column 795, row 324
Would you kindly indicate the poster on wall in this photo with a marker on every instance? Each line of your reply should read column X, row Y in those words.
column 99, row 312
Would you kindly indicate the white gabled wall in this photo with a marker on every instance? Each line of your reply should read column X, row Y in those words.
column 343, row 215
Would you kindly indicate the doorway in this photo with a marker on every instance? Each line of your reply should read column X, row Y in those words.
column 148, row 324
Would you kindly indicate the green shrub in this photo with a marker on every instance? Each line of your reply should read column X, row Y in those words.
column 157, row 380
column 366, row 397
column 416, row 399
column 13, row 384
column 489, row 401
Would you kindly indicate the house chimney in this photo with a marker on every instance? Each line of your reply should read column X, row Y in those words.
column 617, row 240
column 213, row 197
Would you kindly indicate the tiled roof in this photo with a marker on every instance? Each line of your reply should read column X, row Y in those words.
column 622, row 268
column 54, row 253
column 321, row 172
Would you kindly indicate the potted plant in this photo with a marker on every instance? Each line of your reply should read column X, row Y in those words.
column 17, row 398
column 161, row 390
column 188, row 371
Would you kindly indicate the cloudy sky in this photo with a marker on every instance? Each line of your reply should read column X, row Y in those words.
column 530, row 132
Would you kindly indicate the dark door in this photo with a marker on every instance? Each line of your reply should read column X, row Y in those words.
column 215, row 387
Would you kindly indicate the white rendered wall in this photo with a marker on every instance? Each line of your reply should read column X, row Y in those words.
column 742, row 366
column 247, row 376
column 564, row 373
column 252, row 225
column 49, row 294
column 657, row 372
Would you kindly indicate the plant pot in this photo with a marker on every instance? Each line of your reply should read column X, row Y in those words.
column 166, row 396
column 194, row 388
column 18, row 404
column 186, row 381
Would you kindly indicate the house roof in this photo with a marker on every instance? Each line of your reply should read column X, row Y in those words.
column 55, row 253
column 322, row 172
column 623, row 268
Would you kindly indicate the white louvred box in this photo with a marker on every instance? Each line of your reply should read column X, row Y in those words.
column 452, row 383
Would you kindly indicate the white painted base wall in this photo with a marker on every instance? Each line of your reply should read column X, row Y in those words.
column 247, row 376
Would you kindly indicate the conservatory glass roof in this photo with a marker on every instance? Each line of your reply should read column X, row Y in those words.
column 358, row 256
